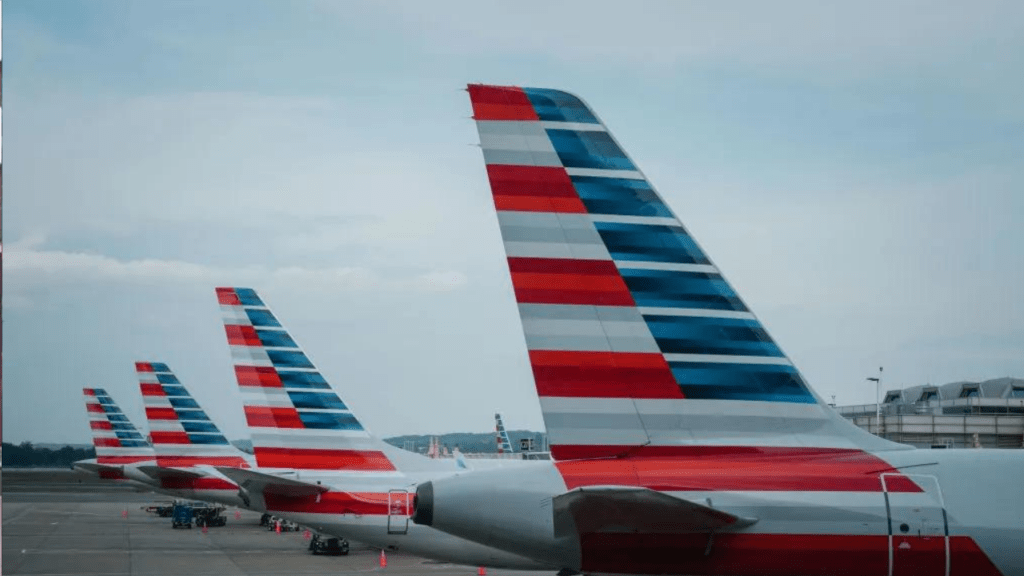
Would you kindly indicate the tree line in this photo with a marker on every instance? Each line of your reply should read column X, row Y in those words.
column 26, row 455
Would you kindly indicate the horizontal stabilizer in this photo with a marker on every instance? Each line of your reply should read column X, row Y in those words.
column 623, row 509
column 260, row 483
column 163, row 473
column 97, row 469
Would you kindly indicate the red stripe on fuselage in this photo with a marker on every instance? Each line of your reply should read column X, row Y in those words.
column 100, row 425
column 150, row 389
column 94, row 408
column 533, row 189
column 108, row 442
column 689, row 468
column 143, row 367
column 776, row 554
column 500, row 103
column 568, row 281
column 314, row 459
column 123, row 459
column 365, row 503
column 189, row 461
column 603, row 375
column 182, row 483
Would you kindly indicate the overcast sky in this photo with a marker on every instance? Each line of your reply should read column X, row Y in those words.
column 854, row 169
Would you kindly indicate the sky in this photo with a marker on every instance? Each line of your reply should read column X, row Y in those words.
column 854, row 169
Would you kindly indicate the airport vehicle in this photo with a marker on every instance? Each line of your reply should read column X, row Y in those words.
column 209, row 515
column 161, row 510
column 186, row 443
column 317, row 464
column 181, row 516
column 684, row 440
column 328, row 546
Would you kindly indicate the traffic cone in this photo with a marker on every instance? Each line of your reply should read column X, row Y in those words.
column 238, row 514
column 125, row 513
column 383, row 559
column 305, row 534
column 481, row 571
column 277, row 526
column 205, row 529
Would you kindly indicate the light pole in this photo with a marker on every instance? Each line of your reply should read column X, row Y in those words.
column 878, row 403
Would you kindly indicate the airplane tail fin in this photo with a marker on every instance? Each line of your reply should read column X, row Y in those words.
column 182, row 434
column 116, row 440
column 504, row 444
column 637, row 341
column 295, row 418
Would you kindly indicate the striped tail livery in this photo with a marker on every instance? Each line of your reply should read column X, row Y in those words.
column 684, row 440
column 295, row 418
column 182, row 434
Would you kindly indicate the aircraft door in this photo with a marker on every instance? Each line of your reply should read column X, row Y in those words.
column 398, row 511
column 918, row 532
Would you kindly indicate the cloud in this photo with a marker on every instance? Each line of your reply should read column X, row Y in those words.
column 26, row 265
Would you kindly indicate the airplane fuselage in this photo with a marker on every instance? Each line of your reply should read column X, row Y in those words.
column 925, row 512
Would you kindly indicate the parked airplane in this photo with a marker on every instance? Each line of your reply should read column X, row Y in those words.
column 317, row 464
column 504, row 444
column 186, row 442
column 120, row 448
column 684, row 440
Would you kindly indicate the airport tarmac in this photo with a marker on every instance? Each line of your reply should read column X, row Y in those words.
column 56, row 526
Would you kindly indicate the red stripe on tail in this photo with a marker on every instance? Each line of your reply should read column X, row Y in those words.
column 228, row 297
column 264, row 376
column 696, row 468
column 568, row 281
column 500, row 103
column 313, row 459
column 533, row 189
column 603, row 375
column 266, row 417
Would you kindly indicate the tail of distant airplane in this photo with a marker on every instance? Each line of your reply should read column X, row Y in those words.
column 295, row 418
column 116, row 440
column 504, row 444
column 182, row 434
column 638, row 344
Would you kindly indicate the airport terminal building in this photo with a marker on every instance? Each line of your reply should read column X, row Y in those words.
column 987, row 414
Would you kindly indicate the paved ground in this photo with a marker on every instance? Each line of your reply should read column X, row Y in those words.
column 80, row 529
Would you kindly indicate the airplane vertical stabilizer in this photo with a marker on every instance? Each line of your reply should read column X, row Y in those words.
column 504, row 444
column 637, row 341
column 116, row 440
column 182, row 434
column 295, row 418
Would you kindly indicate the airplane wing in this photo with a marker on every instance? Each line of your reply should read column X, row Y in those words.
column 261, row 483
column 161, row 473
column 626, row 509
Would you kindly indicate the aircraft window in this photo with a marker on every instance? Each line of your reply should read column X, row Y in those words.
column 1017, row 392
column 929, row 395
column 970, row 393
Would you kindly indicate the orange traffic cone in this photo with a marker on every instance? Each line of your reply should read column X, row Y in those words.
column 205, row 529
column 238, row 514
column 305, row 534
column 125, row 513
column 383, row 559
column 277, row 526
column 481, row 571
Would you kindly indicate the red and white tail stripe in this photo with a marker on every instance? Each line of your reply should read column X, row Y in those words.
column 115, row 438
column 295, row 418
